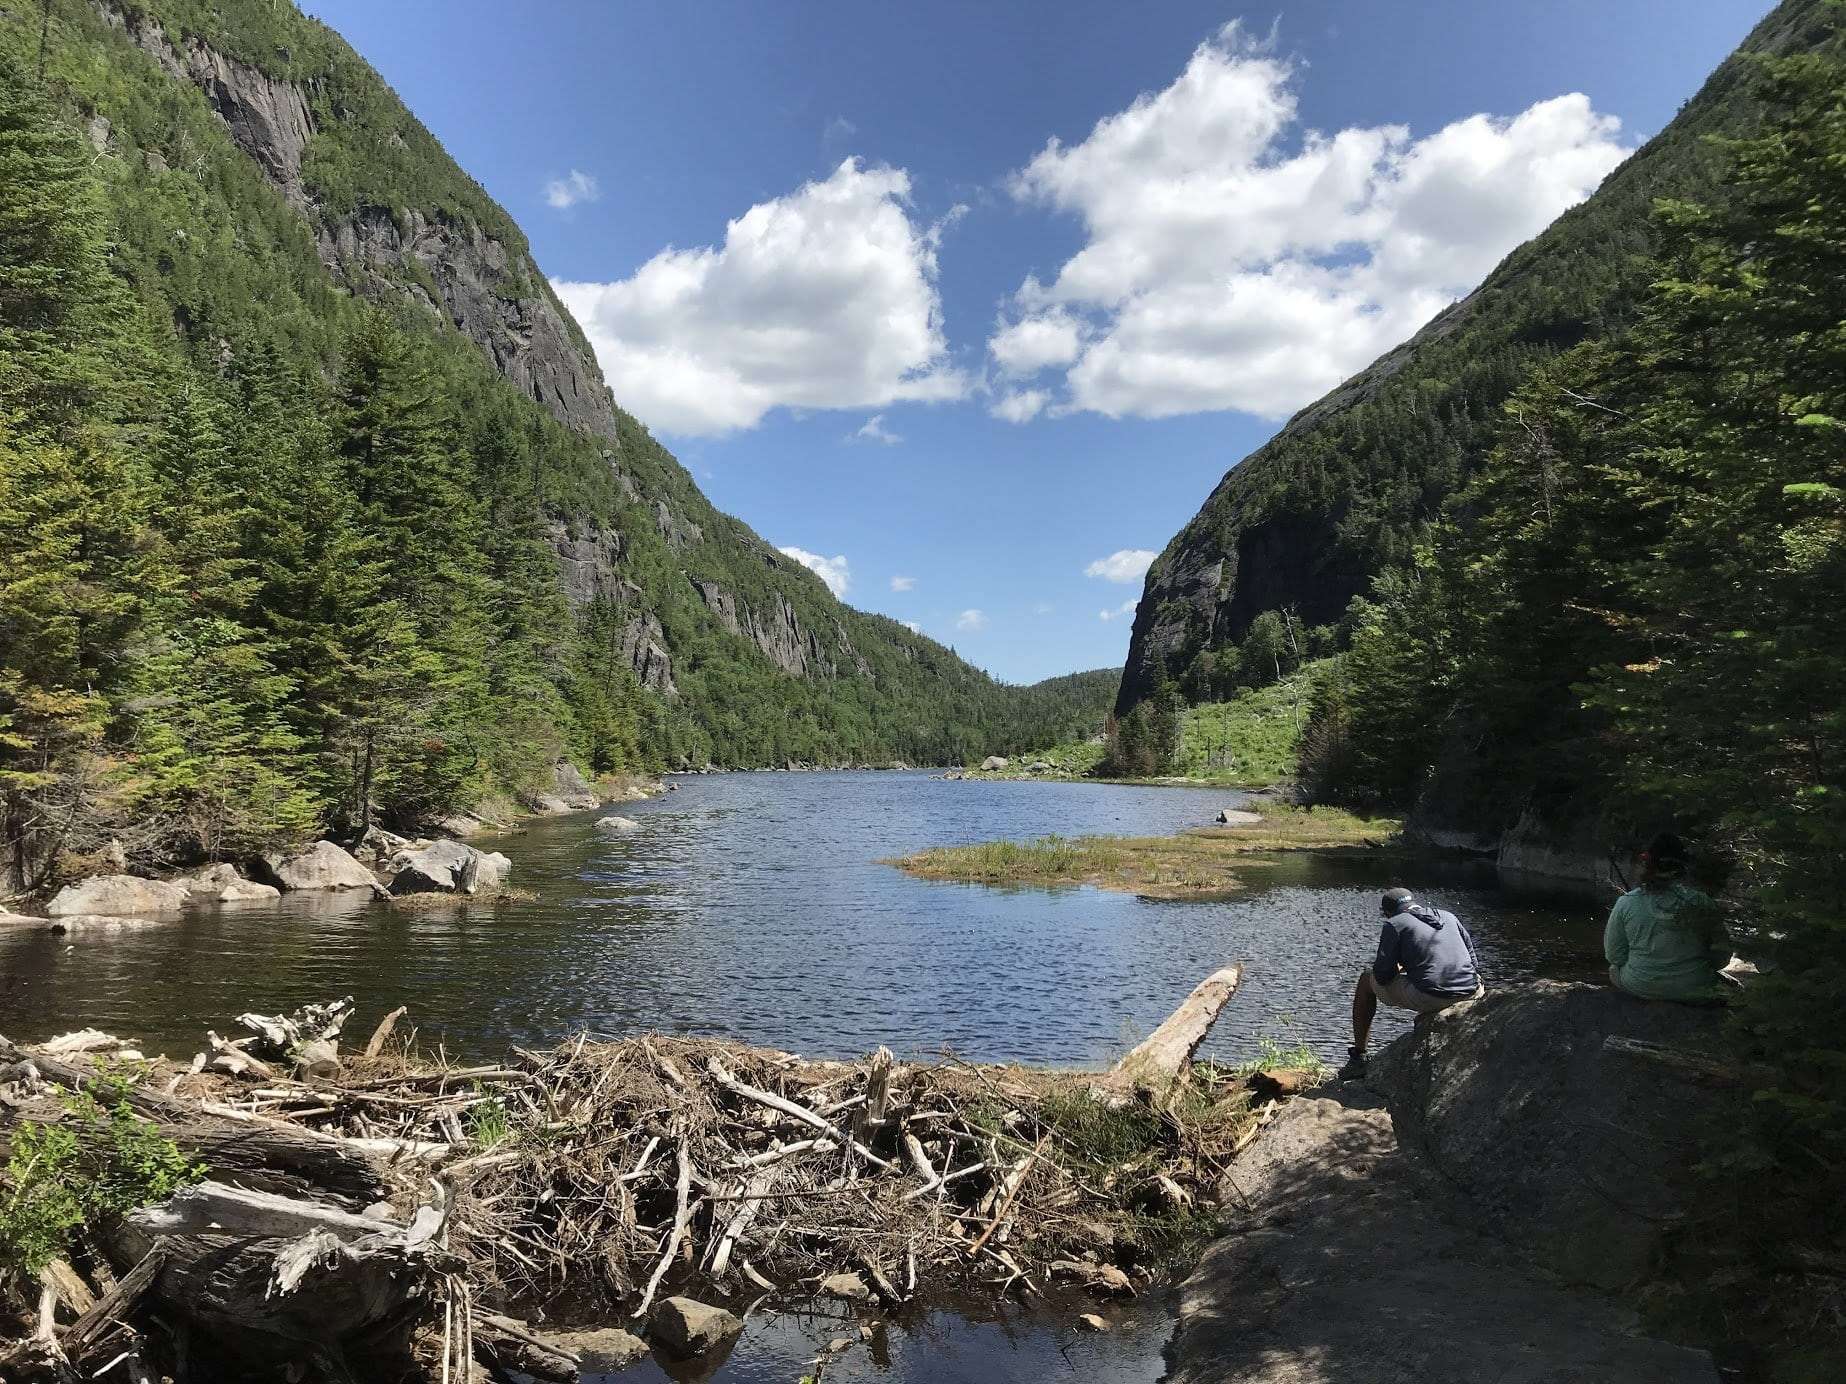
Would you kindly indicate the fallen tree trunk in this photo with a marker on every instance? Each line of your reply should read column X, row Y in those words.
column 276, row 1274
column 1160, row 1065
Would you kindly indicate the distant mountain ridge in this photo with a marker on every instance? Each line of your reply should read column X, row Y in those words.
column 1342, row 491
column 334, row 192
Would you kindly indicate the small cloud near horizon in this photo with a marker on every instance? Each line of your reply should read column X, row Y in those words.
column 566, row 192
column 903, row 583
column 912, row 626
column 874, row 430
column 1124, row 565
column 971, row 620
column 834, row 571
column 1125, row 608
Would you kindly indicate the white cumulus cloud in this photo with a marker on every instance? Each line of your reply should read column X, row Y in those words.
column 823, row 298
column 912, row 626
column 835, row 571
column 575, row 187
column 971, row 620
column 903, row 583
column 1233, row 261
column 1123, row 565
column 874, row 430
column 1125, row 608
column 1021, row 406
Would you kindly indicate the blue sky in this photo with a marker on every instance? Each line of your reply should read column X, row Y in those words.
column 830, row 254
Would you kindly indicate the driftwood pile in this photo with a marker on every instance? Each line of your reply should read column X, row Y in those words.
column 394, row 1213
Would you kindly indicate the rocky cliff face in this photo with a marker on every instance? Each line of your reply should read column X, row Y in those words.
column 493, row 295
column 780, row 635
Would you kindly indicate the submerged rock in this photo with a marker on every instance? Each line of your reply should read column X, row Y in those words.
column 321, row 866
column 448, row 867
column 616, row 825
column 606, row 1351
column 684, row 1326
column 848, row 1287
column 117, row 894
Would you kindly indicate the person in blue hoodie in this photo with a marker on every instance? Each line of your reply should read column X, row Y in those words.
column 1425, row 963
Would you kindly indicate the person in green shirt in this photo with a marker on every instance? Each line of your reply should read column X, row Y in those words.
column 1664, row 939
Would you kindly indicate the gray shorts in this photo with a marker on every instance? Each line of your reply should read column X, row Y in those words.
column 1399, row 993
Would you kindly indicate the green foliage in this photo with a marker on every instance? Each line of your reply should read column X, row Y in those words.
column 1640, row 605
column 1097, row 1133
column 490, row 1124
column 277, row 541
column 1273, row 1055
column 1251, row 737
column 100, row 1161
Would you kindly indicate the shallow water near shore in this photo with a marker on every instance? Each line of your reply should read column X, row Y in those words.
column 754, row 906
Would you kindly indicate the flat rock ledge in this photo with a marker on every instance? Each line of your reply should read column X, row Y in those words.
column 1435, row 1223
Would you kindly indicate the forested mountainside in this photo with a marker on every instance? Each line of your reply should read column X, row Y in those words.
column 314, row 506
column 1347, row 489
column 1634, row 616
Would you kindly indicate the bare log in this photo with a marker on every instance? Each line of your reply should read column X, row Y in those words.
column 382, row 1034
column 1694, row 1065
column 1161, row 1064
column 117, row 1302
column 298, row 1273
column 681, row 1215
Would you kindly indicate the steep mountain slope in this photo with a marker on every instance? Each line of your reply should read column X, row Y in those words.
column 263, row 183
column 1341, row 493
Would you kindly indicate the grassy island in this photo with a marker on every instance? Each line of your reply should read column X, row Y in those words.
column 1194, row 863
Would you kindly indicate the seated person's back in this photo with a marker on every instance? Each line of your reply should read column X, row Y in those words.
column 1665, row 939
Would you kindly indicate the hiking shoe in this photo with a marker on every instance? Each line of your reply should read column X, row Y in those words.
column 1355, row 1065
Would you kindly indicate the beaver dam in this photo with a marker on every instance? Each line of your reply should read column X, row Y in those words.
column 389, row 1215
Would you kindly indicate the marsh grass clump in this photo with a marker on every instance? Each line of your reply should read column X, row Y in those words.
column 1196, row 863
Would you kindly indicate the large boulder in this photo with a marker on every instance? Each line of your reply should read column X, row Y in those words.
column 448, row 867
column 1581, row 1154
column 615, row 826
column 994, row 761
column 117, row 894
column 375, row 849
column 570, row 787
column 321, row 866
column 683, row 1326
column 222, row 884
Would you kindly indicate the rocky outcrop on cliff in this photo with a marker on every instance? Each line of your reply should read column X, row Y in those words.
column 492, row 295
column 270, row 119
column 780, row 635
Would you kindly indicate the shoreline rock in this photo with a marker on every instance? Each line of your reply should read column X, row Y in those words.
column 447, row 867
column 1463, row 1177
column 118, row 894
column 321, row 866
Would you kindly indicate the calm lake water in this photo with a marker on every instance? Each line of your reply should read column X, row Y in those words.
column 753, row 905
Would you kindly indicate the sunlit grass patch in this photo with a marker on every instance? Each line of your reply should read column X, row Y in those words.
column 1192, row 863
